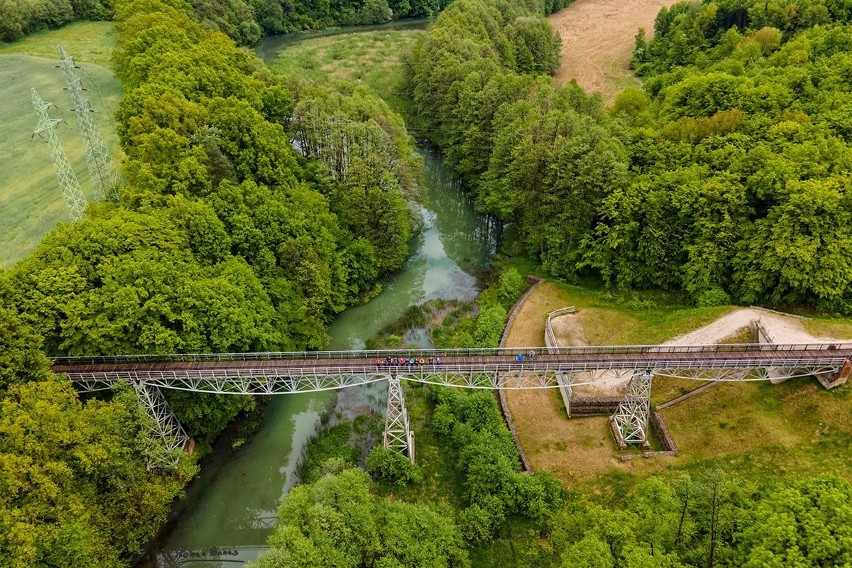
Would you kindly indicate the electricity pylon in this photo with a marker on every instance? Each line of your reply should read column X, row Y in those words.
column 102, row 171
column 75, row 201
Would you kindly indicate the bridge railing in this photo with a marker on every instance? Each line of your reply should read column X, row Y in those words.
column 434, row 353
column 549, row 336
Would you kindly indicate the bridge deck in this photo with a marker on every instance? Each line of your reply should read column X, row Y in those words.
column 571, row 359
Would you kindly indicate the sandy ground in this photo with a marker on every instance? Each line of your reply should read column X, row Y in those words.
column 598, row 40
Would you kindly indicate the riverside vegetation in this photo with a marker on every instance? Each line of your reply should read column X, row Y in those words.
column 226, row 239
column 726, row 179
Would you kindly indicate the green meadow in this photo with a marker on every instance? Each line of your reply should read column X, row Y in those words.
column 30, row 199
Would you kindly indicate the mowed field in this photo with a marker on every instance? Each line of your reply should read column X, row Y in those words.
column 753, row 430
column 598, row 40
column 30, row 200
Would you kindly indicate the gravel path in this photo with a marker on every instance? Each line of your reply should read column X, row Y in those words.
column 787, row 329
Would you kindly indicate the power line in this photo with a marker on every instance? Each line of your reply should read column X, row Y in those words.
column 102, row 171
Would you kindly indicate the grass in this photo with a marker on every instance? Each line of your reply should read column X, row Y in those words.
column 373, row 58
column 822, row 327
column 749, row 429
column 29, row 193
column 86, row 42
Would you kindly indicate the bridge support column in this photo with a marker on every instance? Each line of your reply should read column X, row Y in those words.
column 835, row 379
column 163, row 428
column 398, row 434
column 629, row 424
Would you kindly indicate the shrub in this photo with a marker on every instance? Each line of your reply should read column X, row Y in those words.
column 392, row 467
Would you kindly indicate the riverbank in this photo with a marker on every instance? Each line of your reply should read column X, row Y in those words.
column 455, row 245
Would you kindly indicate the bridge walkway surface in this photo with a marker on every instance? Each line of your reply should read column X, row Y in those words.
column 255, row 373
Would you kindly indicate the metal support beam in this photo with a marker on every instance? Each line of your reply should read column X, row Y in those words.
column 397, row 434
column 163, row 428
column 630, row 420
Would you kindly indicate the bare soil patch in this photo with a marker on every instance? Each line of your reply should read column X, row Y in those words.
column 598, row 40
column 568, row 330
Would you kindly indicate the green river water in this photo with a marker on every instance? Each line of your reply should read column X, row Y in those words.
column 230, row 510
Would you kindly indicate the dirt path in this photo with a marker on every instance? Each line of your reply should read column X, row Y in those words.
column 598, row 39
column 787, row 329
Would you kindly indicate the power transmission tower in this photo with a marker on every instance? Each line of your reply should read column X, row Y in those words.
column 102, row 171
column 75, row 201
column 163, row 427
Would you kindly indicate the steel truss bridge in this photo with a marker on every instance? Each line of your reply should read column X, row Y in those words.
column 517, row 368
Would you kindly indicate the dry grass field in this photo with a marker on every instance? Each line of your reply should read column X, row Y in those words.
column 748, row 428
column 598, row 39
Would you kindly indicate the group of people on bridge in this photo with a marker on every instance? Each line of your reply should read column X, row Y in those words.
column 407, row 362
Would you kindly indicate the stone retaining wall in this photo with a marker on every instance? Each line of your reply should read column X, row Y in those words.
column 501, row 394
column 592, row 405
column 662, row 433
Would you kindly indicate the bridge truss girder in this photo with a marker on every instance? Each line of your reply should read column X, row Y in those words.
column 272, row 381
column 163, row 427
column 397, row 435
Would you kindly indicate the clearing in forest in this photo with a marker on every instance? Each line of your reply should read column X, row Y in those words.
column 373, row 58
column 751, row 429
column 598, row 39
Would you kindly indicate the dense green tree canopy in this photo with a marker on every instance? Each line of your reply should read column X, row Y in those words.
column 338, row 522
column 74, row 487
column 727, row 179
column 741, row 163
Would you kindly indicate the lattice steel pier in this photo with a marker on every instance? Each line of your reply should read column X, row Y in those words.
column 398, row 435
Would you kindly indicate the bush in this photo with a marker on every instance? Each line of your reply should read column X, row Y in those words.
column 392, row 467
column 511, row 286
column 712, row 297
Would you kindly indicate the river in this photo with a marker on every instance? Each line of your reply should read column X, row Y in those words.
column 229, row 511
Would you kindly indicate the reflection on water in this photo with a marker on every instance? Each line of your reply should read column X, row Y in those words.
column 467, row 238
column 230, row 511
column 456, row 244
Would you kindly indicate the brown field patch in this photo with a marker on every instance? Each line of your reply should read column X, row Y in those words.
column 598, row 40
column 755, row 430
column 572, row 449
column 528, row 327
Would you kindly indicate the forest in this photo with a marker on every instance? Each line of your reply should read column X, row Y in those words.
column 258, row 206
column 226, row 239
column 726, row 178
